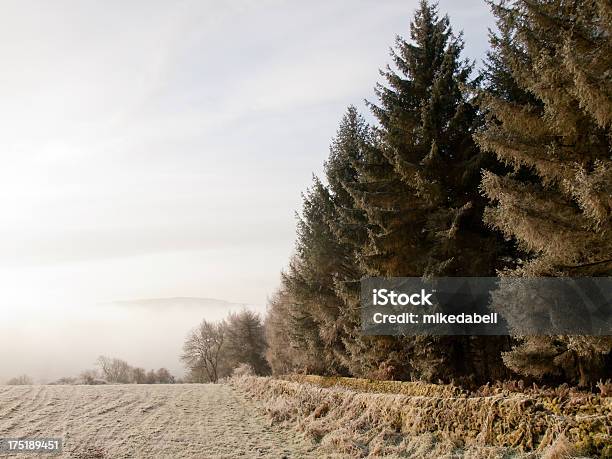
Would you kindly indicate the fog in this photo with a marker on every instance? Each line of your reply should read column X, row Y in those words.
column 63, row 342
column 158, row 150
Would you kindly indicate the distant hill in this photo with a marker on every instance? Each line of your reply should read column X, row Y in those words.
column 190, row 302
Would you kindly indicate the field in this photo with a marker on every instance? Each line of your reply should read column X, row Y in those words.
column 309, row 416
column 161, row 421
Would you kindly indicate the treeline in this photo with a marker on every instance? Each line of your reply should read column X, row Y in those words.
column 111, row 370
column 22, row 380
column 501, row 172
column 215, row 350
column 114, row 370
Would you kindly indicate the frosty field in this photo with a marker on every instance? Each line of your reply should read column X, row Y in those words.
column 173, row 421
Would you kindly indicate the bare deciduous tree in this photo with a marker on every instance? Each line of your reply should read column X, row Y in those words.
column 23, row 380
column 139, row 375
column 115, row 370
column 89, row 377
column 202, row 349
column 151, row 377
column 164, row 376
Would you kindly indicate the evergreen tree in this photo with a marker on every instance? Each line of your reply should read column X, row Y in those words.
column 550, row 111
column 418, row 183
column 348, row 153
column 291, row 337
column 245, row 342
column 349, row 227
column 372, row 357
column 426, row 202
column 319, row 260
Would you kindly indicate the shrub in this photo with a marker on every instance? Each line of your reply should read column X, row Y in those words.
column 244, row 369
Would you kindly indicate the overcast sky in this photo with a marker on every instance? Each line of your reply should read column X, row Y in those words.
column 158, row 148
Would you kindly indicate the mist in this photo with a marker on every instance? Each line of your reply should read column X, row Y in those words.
column 147, row 333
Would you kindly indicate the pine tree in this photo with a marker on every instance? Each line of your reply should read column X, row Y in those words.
column 550, row 123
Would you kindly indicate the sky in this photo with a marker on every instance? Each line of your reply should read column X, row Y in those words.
column 157, row 149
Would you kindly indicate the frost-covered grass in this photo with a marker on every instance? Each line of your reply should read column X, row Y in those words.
column 366, row 419
column 146, row 421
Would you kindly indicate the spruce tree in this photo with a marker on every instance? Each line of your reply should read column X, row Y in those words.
column 418, row 182
column 292, row 338
column 372, row 357
column 550, row 123
column 245, row 341
column 349, row 226
column 319, row 260
column 422, row 192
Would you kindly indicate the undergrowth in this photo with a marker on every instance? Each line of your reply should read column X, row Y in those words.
column 351, row 417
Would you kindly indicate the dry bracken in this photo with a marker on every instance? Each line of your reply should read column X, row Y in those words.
column 365, row 418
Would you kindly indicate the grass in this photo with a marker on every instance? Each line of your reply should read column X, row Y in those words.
column 362, row 418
